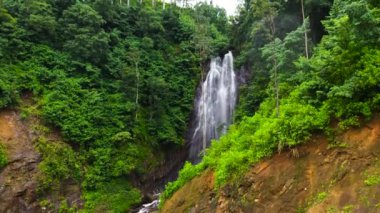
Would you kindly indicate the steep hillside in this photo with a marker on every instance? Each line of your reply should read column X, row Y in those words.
column 316, row 177
column 97, row 97
column 25, row 186
column 117, row 80
column 294, row 95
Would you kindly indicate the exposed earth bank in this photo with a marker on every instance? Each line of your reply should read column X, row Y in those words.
column 18, row 180
column 319, row 176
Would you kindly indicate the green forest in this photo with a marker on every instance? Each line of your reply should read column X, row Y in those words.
column 118, row 79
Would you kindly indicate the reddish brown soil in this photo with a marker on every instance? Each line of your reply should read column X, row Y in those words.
column 18, row 178
column 200, row 188
column 322, row 179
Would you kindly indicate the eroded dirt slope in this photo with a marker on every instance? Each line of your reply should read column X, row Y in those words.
column 18, row 178
column 343, row 177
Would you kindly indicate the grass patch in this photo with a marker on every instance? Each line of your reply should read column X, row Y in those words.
column 3, row 156
column 348, row 209
column 372, row 180
column 318, row 198
column 332, row 209
column 321, row 197
column 314, row 200
column 337, row 145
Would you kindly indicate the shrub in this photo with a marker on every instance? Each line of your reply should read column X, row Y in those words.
column 59, row 162
column 372, row 180
column 117, row 195
column 3, row 156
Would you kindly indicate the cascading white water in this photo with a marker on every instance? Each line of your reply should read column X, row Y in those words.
column 214, row 110
column 150, row 207
column 215, row 106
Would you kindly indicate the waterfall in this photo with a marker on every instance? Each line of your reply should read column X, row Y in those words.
column 215, row 106
column 214, row 109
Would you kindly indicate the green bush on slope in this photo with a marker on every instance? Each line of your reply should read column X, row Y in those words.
column 59, row 163
column 3, row 156
column 116, row 195
column 252, row 139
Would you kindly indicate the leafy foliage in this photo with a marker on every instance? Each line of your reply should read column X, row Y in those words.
column 117, row 81
column 59, row 163
column 340, row 81
column 3, row 156
column 117, row 195
column 372, row 180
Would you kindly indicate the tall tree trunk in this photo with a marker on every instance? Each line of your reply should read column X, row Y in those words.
column 277, row 88
column 128, row 3
column 27, row 5
column 163, row 4
column 305, row 30
column 275, row 64
column 137, row 87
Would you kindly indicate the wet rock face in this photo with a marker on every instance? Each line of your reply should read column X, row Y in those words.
column 18, row 180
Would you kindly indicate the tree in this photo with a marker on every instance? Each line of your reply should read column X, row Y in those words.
column 306, row 6
column 134, row 55
column 83, row 35
column 274, row 52
column 7, row 27
column 286, row 51
column 305, row 31
column 267, row 11
column 40, row 20
column 203, row 45
column 117, row 82
column 13, row 38
column 149, row 22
